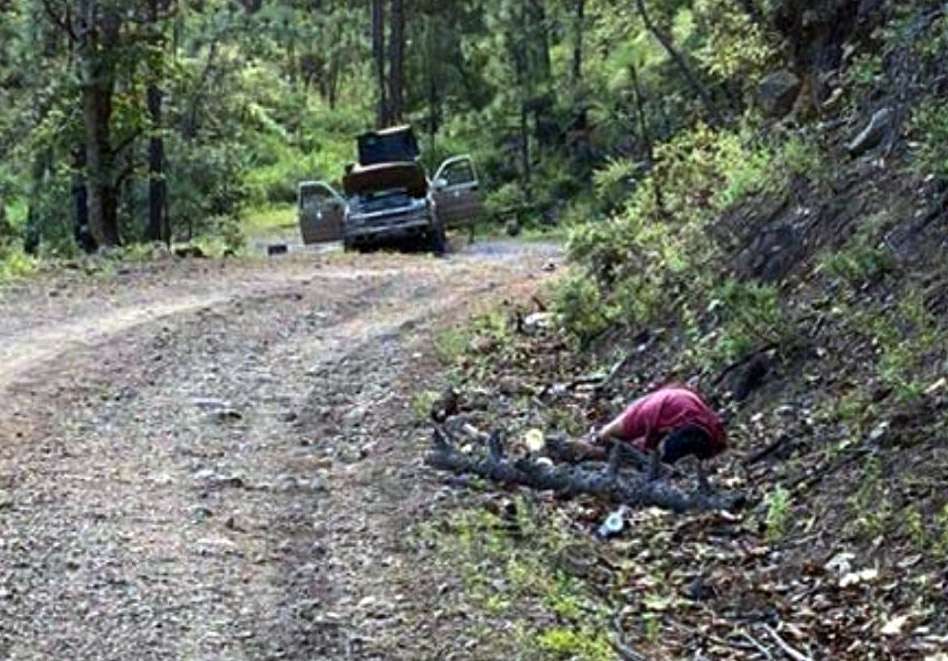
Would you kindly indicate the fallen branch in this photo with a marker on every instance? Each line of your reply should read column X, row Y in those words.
column 559, row 449
column 569, row 481
column 785, row 646
column 623, row 649
column 760, row 455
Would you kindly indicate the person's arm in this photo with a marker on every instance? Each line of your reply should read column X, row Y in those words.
column 611, row 431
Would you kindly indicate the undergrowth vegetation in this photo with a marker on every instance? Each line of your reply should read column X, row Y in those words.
column 773, row 255
column 516, row 563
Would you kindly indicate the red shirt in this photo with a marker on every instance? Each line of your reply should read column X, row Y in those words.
column 648, row 419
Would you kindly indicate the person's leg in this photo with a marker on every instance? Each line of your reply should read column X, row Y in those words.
column 654, row 470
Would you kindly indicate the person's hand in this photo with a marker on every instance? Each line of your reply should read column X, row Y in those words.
column 592, row 436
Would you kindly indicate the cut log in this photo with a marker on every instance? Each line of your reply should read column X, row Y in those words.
column 568, row 481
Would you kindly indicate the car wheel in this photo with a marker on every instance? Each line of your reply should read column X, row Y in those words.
column 439, row 241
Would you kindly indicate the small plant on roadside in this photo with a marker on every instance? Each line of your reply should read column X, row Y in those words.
column 652, row 627
column 750, row 316
column 778, row 514
column 14, row 264
column 866, row 71
column 915, row 526
column 941, row 538
column 578, row 304
column 421, row 403
column 930, row 128
column 802, row 157
column 865, row 258
column 569, row 643
column 450, row 344
column 871, row 506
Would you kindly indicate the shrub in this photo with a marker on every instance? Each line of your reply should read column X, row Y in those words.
column 578, row 304
column 14, row 264
column 930, row 129
column 778, row 513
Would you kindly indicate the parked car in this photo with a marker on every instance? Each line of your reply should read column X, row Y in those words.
column 387, row 197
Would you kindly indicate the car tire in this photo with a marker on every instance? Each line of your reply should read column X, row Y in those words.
column 439, row 241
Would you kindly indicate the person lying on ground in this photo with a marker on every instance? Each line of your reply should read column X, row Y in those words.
column 670, row 424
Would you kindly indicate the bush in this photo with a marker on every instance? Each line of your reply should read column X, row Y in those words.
column 580, row 307
column 15, row 264
column 930, row 129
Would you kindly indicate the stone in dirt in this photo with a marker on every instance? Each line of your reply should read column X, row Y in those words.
column 777, row 93
column 355, row 416
column 872, row 135
column 537, row 321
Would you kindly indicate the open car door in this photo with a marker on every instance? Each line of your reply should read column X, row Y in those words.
column 457, row 192
column 321, row 211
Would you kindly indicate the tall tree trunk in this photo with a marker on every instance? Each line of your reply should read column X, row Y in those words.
column 525, row 151
column 190, row 128
column 378, row 54
column 34, row 229
column 541, row 29
column 80, row 201
column 396, row 73
column 157, row 229
column 640, row 112
column 433, row 68
column 99, row 32
column 679, row 60
column 578, row 35
column 646, row 134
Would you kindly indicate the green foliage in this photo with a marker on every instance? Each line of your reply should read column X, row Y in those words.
column 866, row 71
column 450, row 345
column 14, row 264
column 508, row 197
column 579, row 306
column 658, row 245
column 798, row 156
column 864, row 259
column 748, row 316
column 510, row 560
column 267, row 219
column 421, row 403
column 930, row 129
column 736, row 46
column 614, row 182
column 569, row 643
column 745, row 177
column 871, row 507
column 778, row 514
column 906, row 337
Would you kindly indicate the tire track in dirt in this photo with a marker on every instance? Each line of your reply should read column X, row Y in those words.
column 202, row 493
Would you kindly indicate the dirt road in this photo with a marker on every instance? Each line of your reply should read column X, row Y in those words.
column 205, row 460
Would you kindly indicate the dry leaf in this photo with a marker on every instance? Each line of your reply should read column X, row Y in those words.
column 856, row 577
column 894, row 626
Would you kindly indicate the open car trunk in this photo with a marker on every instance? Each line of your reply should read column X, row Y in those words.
column 392, row 145
column 376, row 178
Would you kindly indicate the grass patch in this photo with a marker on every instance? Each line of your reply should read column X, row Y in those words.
column 267, row 219
column 15, row 264
column 510, row 566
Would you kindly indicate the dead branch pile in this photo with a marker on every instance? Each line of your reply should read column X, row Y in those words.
column 593, row 478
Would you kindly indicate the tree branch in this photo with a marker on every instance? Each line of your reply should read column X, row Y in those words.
column 568, row 481
column 60, row 21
